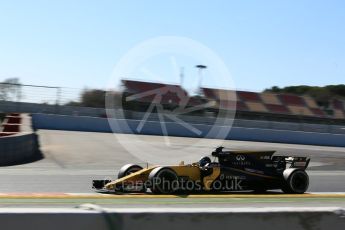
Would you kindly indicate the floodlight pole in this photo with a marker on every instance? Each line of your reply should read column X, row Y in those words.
column 181, row 76
column 200, row 70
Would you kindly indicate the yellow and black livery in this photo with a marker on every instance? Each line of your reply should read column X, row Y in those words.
column 229, row 171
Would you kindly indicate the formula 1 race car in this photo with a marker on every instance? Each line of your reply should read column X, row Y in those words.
column 230, row 171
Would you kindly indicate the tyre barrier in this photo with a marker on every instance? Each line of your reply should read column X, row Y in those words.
column 18, row 143
column 94, row 217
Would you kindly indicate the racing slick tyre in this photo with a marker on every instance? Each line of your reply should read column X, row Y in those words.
column 128, row 169
column 296, row 181
column 163, row 180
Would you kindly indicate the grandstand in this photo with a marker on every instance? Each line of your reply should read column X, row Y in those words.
column 138, row 95
column 280, row 104
column 248, row 104
column 338, row 108
column 266, row 105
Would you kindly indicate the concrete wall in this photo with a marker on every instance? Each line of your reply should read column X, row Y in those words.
column 99, row 112
column 58, row 122
column 173, row 219
column 21, row 147
column 336, row 129
column 18, row 148
column 71, row 123
column 24, row 107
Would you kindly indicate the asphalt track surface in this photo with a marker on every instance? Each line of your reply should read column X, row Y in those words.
column 73, row 159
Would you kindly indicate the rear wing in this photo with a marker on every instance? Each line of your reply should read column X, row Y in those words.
column 292, row 162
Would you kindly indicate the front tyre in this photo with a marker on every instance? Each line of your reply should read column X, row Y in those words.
column 128, row 169
column 296, row 181
column 163, row 180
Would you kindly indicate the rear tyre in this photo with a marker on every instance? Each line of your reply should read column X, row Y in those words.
column 163, row 180
column 297, row 182
column 128, row 169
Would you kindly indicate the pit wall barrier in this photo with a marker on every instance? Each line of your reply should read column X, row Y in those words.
column 171, row 219
column 91, row 124
column 18, row 142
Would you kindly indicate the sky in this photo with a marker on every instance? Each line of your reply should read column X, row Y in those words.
column 263, row 43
